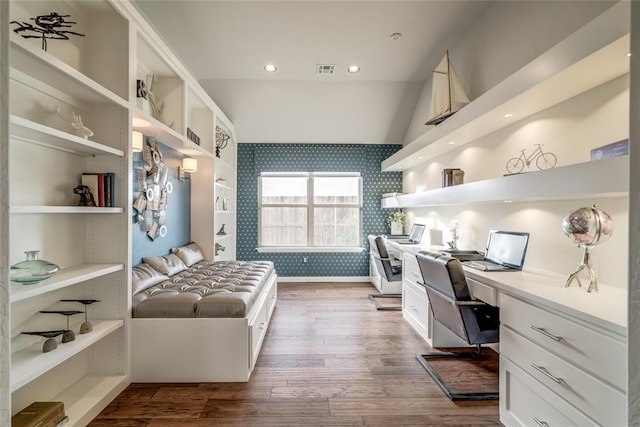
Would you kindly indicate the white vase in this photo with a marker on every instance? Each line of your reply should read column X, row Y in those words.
column 396, row 228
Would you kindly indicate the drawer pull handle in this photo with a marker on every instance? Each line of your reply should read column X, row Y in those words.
column 543, row 371
column 546, row 334
column 541, row 423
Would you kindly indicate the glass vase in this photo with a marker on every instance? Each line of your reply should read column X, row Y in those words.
column 32, row 270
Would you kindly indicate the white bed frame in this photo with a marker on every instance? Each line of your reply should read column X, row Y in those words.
column 201, row 349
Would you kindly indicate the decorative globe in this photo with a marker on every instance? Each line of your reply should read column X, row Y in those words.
column 588, row 226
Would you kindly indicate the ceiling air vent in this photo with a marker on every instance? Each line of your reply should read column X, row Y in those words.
column 325, row 69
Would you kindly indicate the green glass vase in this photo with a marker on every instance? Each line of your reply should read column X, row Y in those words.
column 33, row 270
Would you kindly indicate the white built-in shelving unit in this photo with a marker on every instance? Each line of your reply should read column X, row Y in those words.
column 95, row 77
column 592, row 56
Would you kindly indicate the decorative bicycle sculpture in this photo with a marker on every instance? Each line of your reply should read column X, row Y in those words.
column 543, row 160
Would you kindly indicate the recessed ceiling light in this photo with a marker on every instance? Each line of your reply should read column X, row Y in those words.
column 419, row 158
column 396, row 36
column 629, row 54
column 508, row 115
column 353, row 69
column 270, row 68
column 451, row 142
column 508, row 201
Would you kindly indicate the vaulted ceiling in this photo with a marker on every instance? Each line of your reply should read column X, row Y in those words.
column 226, row 44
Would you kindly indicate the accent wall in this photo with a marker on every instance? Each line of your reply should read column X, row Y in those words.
column 254, row 159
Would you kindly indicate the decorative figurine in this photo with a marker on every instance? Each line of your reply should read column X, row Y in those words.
column 47, row 27
column 588, row 227
column 50, row 344
column 76, row 122
column 221, row 232
column 543, row 160
column 222, row 139
column 86, row 197
column 86, row 326
column 219, row 248
column 68, row 334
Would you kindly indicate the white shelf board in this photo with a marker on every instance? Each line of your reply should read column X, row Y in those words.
column 222, row 238
column 31, row 363
column 63, row 278
column 595, row 179
column 225, row 186
column 84, row 400
column 224, row 164
column 167, row 136
column 33, row 209
column 224, row 212
column 47, row 68
column 35, row 133
column 593, row 55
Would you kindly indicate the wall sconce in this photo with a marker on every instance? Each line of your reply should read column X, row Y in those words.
column 189, row 165
column 137, row 141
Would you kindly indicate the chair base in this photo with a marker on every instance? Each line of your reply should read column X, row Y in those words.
column 376, row 303
column 451, row 394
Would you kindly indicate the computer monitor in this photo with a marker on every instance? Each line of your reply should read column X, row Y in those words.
column 415, row 235
column 507, row 248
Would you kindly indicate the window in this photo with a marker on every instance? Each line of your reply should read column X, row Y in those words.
column 310, row 210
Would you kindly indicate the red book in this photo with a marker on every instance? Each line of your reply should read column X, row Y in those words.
column 100, row 201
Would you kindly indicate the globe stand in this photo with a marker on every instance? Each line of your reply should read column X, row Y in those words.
column 584, row 265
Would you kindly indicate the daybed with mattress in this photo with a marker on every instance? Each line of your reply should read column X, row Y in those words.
column 196, row 320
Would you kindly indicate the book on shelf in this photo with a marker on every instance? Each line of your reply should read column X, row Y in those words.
column 102, row 187
column 40, row 414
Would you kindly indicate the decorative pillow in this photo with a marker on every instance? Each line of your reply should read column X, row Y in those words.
column 168, row 264
column 144, row 276
column 189, row 254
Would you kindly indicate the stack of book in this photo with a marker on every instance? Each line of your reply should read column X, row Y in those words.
column 102, row 187
column 41, row 414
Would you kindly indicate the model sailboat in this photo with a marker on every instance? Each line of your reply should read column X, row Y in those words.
column 447, row 93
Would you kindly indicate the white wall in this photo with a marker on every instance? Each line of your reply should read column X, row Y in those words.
column 505, row 38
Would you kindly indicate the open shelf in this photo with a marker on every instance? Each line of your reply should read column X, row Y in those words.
column 164, row 134
column 593, row 55
column 86, row 398
column 44, row 67
column 63, row 278
column 35, row 133
column 222, row 238
column 224, row 186
column 595, row 179
column 31, row 209
column 31, row 363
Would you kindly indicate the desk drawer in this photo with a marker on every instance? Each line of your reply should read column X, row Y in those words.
column 525, row 402
column 598, row 400
column 415, row 309
column 594, row 352
column 411, row 269
column 483, row 292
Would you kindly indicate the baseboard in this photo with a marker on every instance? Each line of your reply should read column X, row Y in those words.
column 324, row 279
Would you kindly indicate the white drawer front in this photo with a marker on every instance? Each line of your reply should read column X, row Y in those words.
column 415, row 308
column 603, row 356
column 258, row 329
column 411, row 270
column 600, row 401
column 524, row 402
column 483, row 292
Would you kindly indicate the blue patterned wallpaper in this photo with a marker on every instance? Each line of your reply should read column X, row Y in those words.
column 366, row 159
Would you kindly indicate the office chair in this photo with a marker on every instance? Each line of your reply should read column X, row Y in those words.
column 390, row 274
column 451, row 303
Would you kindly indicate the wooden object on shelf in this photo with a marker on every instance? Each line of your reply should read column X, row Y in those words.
column 39, row 414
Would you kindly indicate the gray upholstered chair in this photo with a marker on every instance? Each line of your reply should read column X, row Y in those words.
column 452, row 305
column 389, row 270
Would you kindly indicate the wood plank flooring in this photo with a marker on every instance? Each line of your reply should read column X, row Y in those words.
column 329, row 359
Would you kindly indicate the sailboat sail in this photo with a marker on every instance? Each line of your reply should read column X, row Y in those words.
column 447, row 93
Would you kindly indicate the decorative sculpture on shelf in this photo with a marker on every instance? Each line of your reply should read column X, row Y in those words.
column 157, row 107
column 76, row 122
column 222, row 140
column 68, row 334
column 221, row 232
column 543, row 160
column 50, row 344
column 86, row 197
column 219, row 248
column 86, row 326
column 588, row 227
column 47, row 27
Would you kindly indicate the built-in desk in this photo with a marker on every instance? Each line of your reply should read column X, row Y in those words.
column 562, row 350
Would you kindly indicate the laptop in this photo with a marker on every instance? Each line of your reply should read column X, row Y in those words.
column 505, row 252
column 415, row 235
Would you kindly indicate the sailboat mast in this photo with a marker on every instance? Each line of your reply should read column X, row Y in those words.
column 449, row 82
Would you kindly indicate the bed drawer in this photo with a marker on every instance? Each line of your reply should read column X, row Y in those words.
column 600, row 401
column 525, row 402
column 601, row 355
column 257, row 331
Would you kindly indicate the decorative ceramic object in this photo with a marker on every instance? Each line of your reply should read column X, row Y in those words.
column 50, row 344
column 32, row 270
column 221, row 232
column 588, row 227
column 76, row 122
column 68, row 334
column 396, row 222
column 86, row 326
column 86, row 197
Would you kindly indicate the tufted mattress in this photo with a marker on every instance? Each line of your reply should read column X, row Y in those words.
column 205, row 289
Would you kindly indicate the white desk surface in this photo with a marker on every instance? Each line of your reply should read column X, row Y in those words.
column 606, row 308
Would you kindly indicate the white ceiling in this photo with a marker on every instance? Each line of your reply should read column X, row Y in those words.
column 227, row 43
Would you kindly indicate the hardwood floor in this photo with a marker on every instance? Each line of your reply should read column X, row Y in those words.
column 329, row 359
